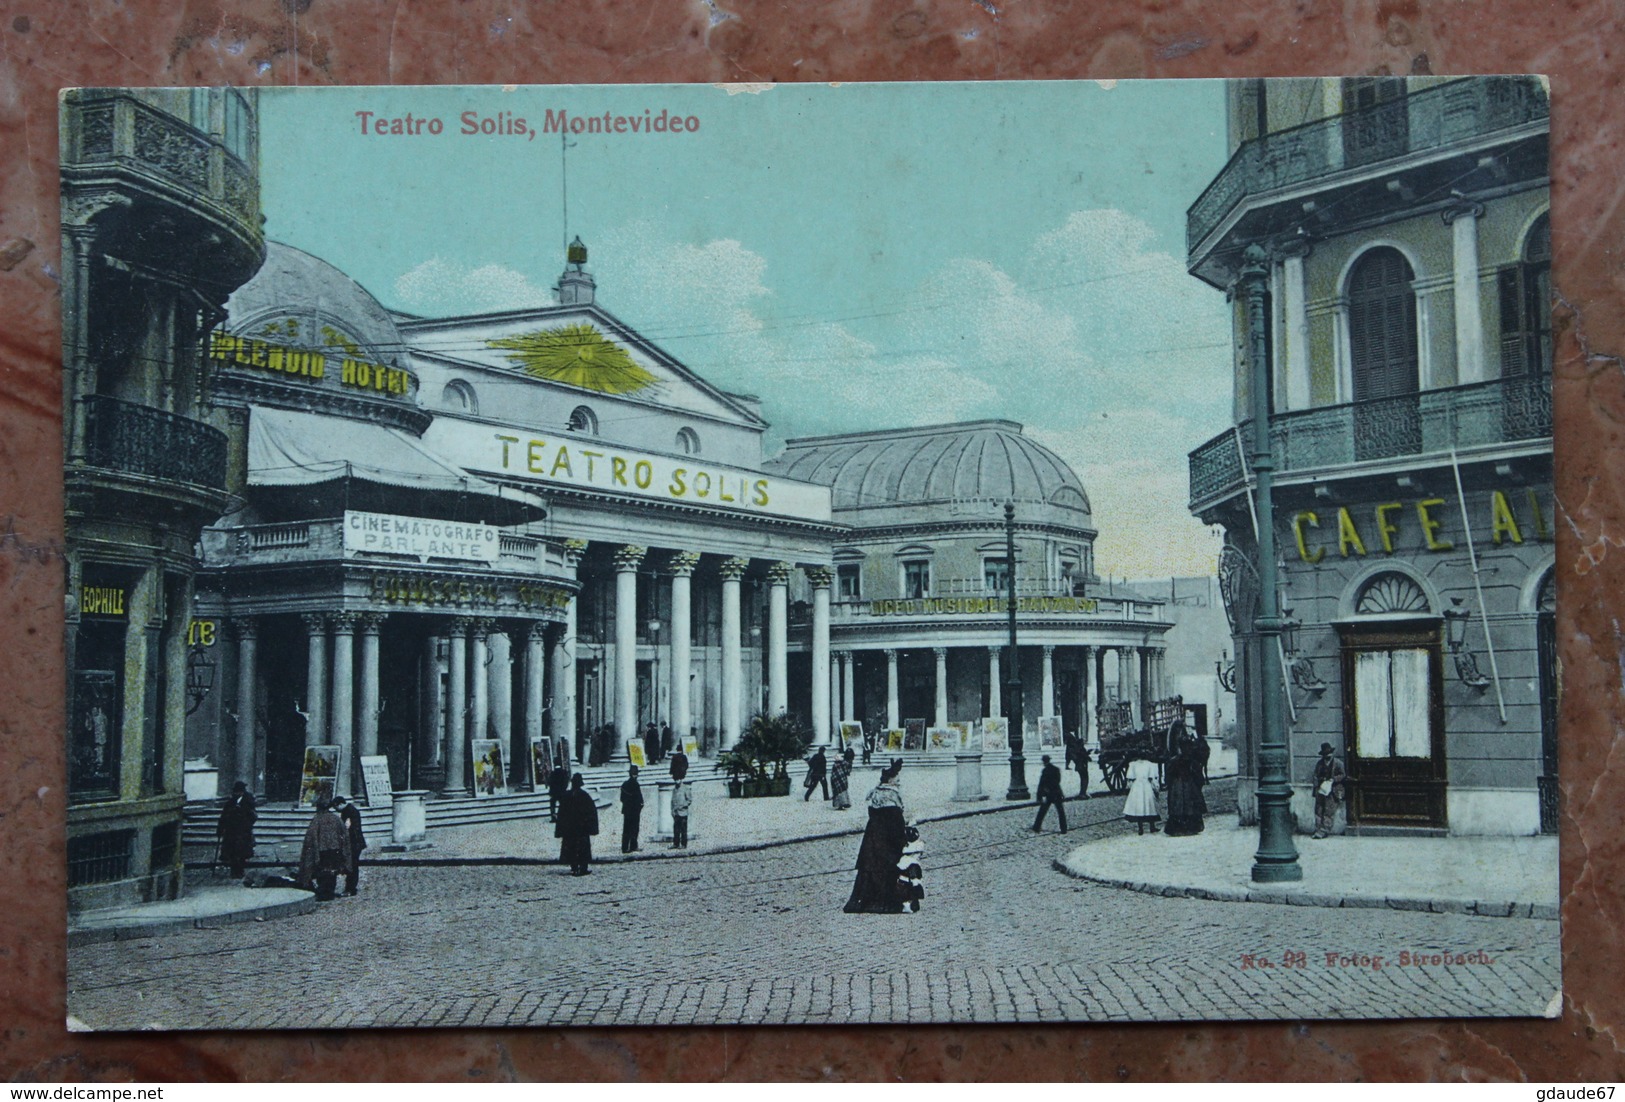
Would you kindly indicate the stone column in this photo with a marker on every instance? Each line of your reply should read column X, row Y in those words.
column 1047, row 701
column 343, row 716
column 564, row 657
column 479, row 680
column 500, row 652
column 732, row 674
column 778, row 638
column 941, row 654
column 835, row 692
column 627, row 561
column 1086, row 721
column 1296, row 309
column 316, row 679
column 893, row 718
column 1462, row 218
column 247, row 631
column 431, row 744
column 820, row 577
column 535, row 656
column 1100, row 686
column 456, row 753
column 367, row 717
column 1125, row 674
column 682, row 643
column 1143, row 682
column 995, row 707
column 849, row 689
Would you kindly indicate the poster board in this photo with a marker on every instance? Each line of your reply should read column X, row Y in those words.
column 914, row 729
column 635, row 753
column 691, row 747
column 375, row 780
column 965, row 736
column 561, row 754
column 894, row 739
column 490, row 778
column 852, row 736
column 1049, row 731
column 995, row 733
column 320, row 774
column 541, row 763
column 941, row 738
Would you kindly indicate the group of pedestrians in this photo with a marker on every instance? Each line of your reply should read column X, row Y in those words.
column 575, row 813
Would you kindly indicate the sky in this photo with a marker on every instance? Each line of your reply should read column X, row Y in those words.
column 860, row 256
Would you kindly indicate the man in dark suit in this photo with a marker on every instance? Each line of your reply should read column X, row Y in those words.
column 817, row 774
column 1049, row 795
column 350, row 814
column 631, row 810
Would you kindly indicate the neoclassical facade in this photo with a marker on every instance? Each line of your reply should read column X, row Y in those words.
column 1402, row 230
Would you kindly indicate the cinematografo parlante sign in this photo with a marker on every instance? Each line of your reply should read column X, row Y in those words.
column 385, row 534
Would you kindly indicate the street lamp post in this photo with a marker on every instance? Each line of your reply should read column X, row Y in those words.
column 1277, row 858
column 1012, row 685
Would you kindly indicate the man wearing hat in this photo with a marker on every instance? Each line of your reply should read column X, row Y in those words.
column 1049, row 795
column 631, row 810
column 1328, row 781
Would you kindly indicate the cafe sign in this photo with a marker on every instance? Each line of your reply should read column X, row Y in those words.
column 422, row 538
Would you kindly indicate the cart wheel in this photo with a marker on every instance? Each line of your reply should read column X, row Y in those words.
column 1116, row 778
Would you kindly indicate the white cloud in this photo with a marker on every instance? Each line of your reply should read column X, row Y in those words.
column 441, row 287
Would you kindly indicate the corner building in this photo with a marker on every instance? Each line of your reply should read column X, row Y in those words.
column 160, row 222
column 1407, row 334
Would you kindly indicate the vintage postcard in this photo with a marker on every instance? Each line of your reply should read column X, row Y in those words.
column 996, row 552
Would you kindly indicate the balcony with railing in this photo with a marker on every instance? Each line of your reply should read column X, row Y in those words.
column 136, row 439
column 1437, row 119
column 1428, row 422
column 212, row 165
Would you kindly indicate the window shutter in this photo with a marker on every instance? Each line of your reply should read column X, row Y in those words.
column 1382, row 326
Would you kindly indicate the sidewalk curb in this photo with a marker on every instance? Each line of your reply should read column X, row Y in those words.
column 1479, row 908
column 96, row 935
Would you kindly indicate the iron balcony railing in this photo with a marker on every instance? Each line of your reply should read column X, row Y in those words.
column 124, row 436
column 1435, row 118
column 1425, row 422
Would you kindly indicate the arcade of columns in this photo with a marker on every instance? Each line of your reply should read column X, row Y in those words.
column 340, row 712
column 1140, row 679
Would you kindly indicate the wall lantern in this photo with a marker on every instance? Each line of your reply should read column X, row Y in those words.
column 1300, row 667
column 1455, row 620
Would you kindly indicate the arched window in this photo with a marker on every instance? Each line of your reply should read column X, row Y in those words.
column 689, row 441
column 459, row 395
column 1390, row 594
column 1526, row 306
column 584, row 420
column 1383, row 356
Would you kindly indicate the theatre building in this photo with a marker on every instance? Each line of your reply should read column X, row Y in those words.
column 1399, row 230
column 922, row 575
column 160, row 221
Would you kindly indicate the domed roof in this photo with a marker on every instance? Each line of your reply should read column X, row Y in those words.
column 973, row 468
column 293, row 284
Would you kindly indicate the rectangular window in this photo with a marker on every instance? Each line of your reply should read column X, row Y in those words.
column 848, row 587
column 100, row 858
column 996, row 575
column 1391, row 704
column 916, row 580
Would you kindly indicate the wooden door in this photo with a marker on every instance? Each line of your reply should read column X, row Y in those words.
column 1393, row 726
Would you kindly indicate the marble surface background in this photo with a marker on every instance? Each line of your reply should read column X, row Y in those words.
column 46, row 44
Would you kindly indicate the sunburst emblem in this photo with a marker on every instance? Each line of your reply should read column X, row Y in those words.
column 576, row 355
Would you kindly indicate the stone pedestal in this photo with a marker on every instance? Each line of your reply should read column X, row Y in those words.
column 409, row 822
column 662, row 832
column 968, row 778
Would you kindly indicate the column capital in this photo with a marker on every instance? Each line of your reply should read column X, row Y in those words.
column 941, row 653
column 890, row 653
column 481, row 626
column 778, row 573
column 1461, row 207
column 315, row 622
column 733, row 569
column 629, row 557
column 536, row 631
column 682, row 563
column 245, row 627
column 820, row 576
column 344, row 623
column 371, row 622
column 1049, row 650
column 461, row 624
column 995, row 651
column 1297, row 247
column 573, row 550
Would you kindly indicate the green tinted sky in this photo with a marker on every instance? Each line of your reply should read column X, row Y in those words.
column 860, row 256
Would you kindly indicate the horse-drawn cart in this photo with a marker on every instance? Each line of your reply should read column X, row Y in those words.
column 1121, row 742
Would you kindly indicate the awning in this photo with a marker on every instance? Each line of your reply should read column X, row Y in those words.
column 290, row 448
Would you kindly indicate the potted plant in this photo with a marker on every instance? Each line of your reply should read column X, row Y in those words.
column 738, row 766
column 773, row 742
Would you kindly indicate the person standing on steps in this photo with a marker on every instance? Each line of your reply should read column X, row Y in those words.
column 1049, row 795
column 631, row 810
column 236, row 830
column 577, row 823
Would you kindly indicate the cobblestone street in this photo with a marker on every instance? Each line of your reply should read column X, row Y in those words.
column 759, row 937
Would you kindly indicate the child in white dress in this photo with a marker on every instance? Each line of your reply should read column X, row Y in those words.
column 1141, row 806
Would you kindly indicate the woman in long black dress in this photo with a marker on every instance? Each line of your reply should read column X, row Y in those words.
column 1187, row 771
column 577, row 823
column 876, row 890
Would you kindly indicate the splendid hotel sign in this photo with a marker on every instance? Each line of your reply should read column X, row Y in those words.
column 385, row 534
column 571, row 463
